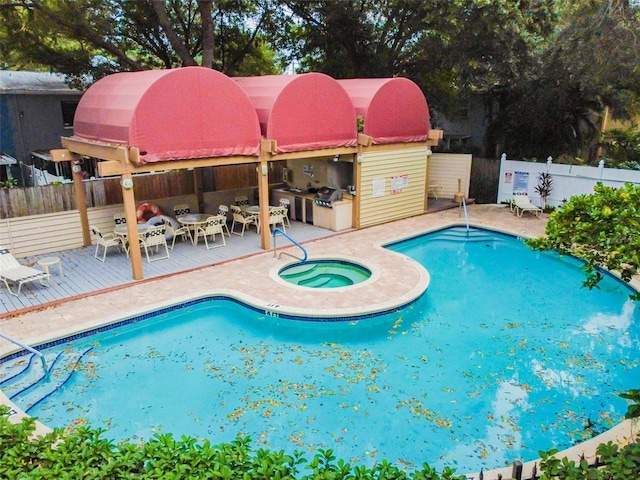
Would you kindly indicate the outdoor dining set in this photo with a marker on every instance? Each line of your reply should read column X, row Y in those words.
column 158, row 234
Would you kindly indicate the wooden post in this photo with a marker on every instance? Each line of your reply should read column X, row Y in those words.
column 81, row 203
column 263, row 201
column 126, row 182
column 197, row 183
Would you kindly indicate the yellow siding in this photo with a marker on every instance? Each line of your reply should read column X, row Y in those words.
column 445, row 169
column 386, row 164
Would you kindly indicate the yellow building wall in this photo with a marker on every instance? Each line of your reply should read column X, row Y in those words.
column 445, row 169
column 392, row 184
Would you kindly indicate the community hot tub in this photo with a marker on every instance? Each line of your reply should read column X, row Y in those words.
column 325, row 273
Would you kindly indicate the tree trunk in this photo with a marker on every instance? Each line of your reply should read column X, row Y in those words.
column 208, row 40
column 177, row 44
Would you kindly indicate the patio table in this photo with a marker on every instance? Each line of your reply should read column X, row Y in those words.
column 193, row 221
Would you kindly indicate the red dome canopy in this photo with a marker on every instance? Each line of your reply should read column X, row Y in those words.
column 190, row 112
column 394, row 110
column 302, row 112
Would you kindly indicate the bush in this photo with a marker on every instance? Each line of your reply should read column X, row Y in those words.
column 602, row 228
column 622, row 148
column 83, row 453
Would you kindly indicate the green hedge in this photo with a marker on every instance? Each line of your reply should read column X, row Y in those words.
column 84, row 454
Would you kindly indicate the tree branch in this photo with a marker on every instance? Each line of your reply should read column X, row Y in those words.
column 177, row 44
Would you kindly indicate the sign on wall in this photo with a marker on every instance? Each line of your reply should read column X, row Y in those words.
column 521, row 181
column 378, row 187
column 398, row 183
column 508, row 177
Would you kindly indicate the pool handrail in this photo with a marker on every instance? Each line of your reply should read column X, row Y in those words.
column 463, row 204
column 28, row 348
column 283, row 233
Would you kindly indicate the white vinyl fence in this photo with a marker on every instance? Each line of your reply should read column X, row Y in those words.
column 568, row 180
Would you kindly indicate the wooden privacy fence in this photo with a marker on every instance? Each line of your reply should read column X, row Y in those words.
column 483, row 185
column 54, row 198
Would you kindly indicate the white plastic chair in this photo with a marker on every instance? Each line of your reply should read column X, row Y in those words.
column 181, row 209
column 243, row 219
column 154, row 237
column 213, row 226
column 174, row 230
column 223, row 210
column 284, row 202
column 242, row 200
column 277, row 216
column 105, row 240
column 119, row 219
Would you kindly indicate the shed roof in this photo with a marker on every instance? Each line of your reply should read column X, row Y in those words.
column 302, row 112
column 190, row 112
column 6, row 159
column 34, row 83
column 394, row 110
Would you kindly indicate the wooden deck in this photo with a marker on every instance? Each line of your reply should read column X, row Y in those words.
column 83, row 274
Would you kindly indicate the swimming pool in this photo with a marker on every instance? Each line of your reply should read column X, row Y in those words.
column 481, row 370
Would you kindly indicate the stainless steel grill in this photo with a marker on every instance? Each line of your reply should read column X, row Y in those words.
column 326, row 196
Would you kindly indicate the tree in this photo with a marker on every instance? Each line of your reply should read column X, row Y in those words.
column 591, row 59
column 87, row 39
column 445, row 46
column 602, row 228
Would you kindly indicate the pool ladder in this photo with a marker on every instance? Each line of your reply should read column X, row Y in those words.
column 28, row 348
column 281, row 232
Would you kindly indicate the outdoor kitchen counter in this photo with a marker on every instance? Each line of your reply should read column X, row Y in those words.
column 337, row 218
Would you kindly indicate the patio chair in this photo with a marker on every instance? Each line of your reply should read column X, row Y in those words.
column 242, row 200
column 242, row 218
column 181, row 209
column 521, row 204
column 174, row 230
column 154, row 237
column 119, row 219
column 106, row 240
column 12, row 271
column 286, row 203
column 276, row 217
column 224, row 211
column 213, row 226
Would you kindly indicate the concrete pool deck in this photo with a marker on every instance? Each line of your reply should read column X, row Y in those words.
column 251, row 279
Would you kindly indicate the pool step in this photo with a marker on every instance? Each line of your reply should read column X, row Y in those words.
column 22, row 372
column 461, row 234
column 33, row 385
column 323, row 279
column 319, row 275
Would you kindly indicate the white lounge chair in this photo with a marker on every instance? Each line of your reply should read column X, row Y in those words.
column 11, row 271
column 521, row 204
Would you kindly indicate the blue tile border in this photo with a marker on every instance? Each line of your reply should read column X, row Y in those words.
column 197, row 301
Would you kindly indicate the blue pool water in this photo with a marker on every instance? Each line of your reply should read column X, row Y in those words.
column 505, row 355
